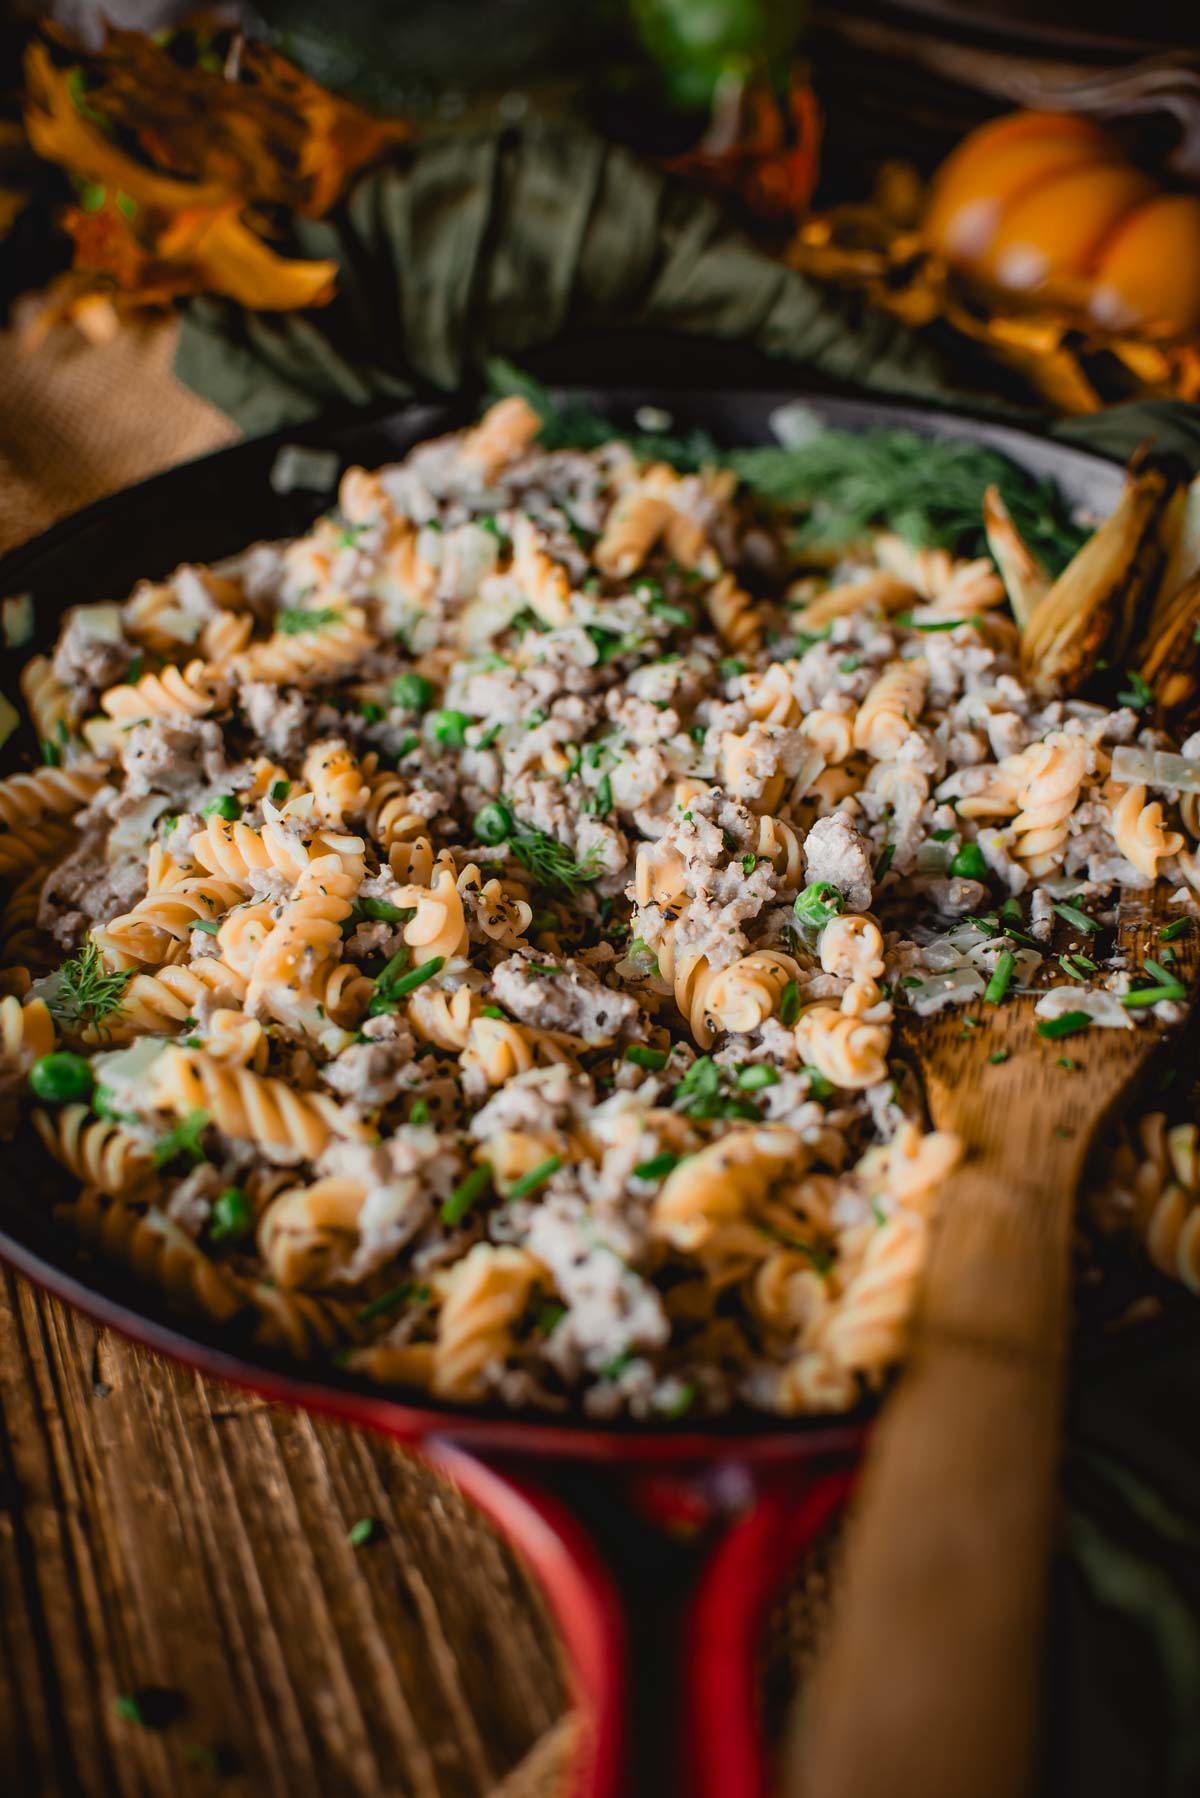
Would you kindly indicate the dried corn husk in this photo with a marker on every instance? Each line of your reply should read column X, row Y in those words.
column 1025, row 578
column 1169, row 657
column 1093, row 606
column 1181, row 537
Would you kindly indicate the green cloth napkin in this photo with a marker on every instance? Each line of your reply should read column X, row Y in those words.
column 506, row 244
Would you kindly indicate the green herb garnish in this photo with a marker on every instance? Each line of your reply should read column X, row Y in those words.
column 232, row 1216
column 1071, row 914
column 642, row 1057
column 550, row 862
column 1002, row 974
column 85, row 991
column 470, row 1188
column 1154, row 995
column 1067, row 1025
column 658, row 1167
column 184, row 1139
column 789, row 1003
column 537, row 1176
column 295, row 621
column 388, row 1301
column 1139, row 693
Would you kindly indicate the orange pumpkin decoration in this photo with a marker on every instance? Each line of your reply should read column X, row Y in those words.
column 1047, row 204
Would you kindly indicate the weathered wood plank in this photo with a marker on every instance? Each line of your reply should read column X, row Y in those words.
column 159, row 1531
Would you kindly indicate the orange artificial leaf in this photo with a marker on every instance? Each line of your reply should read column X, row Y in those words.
column 256, row 126
column 59, row 132
column 225, row 257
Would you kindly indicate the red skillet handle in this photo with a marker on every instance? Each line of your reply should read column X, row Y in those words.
column 661, row 1641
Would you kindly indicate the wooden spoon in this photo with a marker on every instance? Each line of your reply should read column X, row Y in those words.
column 928, row 1684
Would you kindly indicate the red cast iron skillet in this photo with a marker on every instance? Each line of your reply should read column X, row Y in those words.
column 652, row 1494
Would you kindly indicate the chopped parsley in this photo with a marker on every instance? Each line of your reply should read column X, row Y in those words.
column 397, row 979
column 643, row 1057
column 364, row 1531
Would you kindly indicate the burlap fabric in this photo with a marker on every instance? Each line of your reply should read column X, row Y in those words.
column 79, row 420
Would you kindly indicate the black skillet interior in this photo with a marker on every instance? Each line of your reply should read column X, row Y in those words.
column 214, row 507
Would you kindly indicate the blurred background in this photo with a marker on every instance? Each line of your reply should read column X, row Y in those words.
column 170, row 153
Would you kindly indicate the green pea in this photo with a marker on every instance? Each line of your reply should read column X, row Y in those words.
column 61, row 1077
column 450, row 727
column 493, row 823
column 413, row 691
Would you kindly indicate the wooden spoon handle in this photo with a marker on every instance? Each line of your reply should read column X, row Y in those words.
column 928, row 1685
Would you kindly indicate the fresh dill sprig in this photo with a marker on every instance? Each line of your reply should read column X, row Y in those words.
column 294, row 621
column 929, row 490
column 550, row 862
column 85, row 991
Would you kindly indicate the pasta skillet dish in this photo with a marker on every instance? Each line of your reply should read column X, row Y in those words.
column 465, row 940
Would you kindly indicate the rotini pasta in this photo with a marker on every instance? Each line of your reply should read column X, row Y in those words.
column 467, row 939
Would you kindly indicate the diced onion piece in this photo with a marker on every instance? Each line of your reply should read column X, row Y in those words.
column 101, row 622
column 794, row 424
column 130, row 834
column 316, row 471
column 956, row 987
column 1132, row 767
column 935, row 858
column 1104, row 1008
column 125, row 1070
column 16, row 619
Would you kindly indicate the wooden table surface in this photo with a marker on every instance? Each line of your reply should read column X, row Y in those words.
column 168, row 1538
column 174, row 1540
